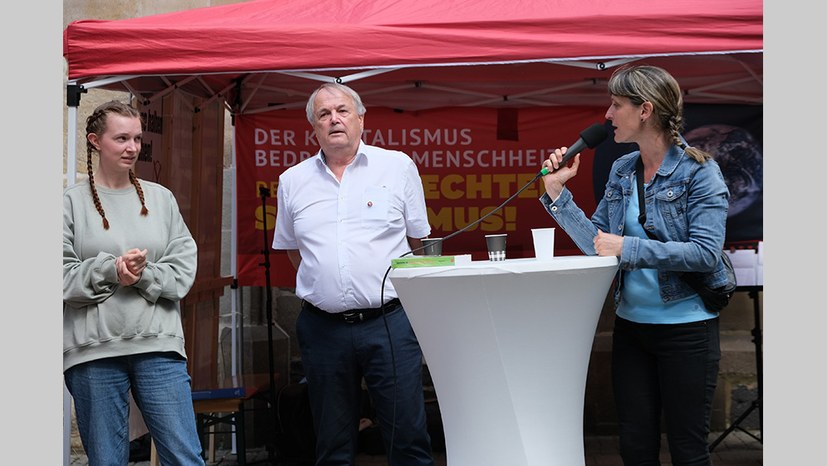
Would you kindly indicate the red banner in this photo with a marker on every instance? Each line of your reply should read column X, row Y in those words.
column 471, row 161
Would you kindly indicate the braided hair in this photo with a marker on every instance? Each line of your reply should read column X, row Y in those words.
column 646, row 83
column 96, row 123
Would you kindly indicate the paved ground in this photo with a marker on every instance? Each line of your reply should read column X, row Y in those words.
column 737, row 449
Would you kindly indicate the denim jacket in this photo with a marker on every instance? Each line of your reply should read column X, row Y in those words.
column 686, row 208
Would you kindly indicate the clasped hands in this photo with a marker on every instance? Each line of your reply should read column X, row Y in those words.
column 130, row 266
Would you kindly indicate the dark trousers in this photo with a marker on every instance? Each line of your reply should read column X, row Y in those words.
column 336, row 357
column 665, row 371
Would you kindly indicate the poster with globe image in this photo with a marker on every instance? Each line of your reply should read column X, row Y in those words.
column 733, row 135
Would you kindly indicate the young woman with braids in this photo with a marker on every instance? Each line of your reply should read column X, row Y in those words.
column 128, row 260
column 665, row 347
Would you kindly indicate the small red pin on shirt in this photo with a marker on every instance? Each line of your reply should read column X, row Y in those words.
column 370, row 203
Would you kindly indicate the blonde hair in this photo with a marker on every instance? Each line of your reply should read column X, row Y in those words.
column 96, row 123
column 646, row 83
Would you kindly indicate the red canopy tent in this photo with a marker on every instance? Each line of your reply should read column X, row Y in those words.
column 266, row 54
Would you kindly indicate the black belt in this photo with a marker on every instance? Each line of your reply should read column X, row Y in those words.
column 354, row 316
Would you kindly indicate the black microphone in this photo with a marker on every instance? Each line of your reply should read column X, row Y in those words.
column 589, row 138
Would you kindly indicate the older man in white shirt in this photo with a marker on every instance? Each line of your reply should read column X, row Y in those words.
column 342, row 216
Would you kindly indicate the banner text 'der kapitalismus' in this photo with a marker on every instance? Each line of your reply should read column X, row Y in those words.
column 403, row 137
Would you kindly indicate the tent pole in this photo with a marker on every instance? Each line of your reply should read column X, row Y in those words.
column 73, row 92
column 236, row 320
column 236, row 364
column 72, row 102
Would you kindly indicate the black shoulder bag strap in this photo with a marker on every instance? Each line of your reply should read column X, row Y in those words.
column 641, row 203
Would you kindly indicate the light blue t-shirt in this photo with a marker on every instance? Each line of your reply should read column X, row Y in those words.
column 640, row 300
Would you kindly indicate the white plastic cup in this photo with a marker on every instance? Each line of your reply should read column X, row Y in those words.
column 543, row 243
column 496, row 246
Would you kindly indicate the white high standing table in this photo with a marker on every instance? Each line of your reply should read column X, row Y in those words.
column 507, row 345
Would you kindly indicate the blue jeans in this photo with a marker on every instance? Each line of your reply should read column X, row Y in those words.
column 336, row 357
column 667, row 371
column 160, row 386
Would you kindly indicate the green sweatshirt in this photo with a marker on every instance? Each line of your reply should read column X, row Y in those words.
column 101, row 318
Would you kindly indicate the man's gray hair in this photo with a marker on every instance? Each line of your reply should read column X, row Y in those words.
column 311, row 110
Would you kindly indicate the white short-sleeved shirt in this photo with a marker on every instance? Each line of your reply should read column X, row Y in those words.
column 348, row 232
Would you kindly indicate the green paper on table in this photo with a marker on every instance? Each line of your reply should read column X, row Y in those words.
column 423, row 261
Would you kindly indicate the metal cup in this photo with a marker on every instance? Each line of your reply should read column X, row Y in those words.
column 433, row 246
column 496, row 246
